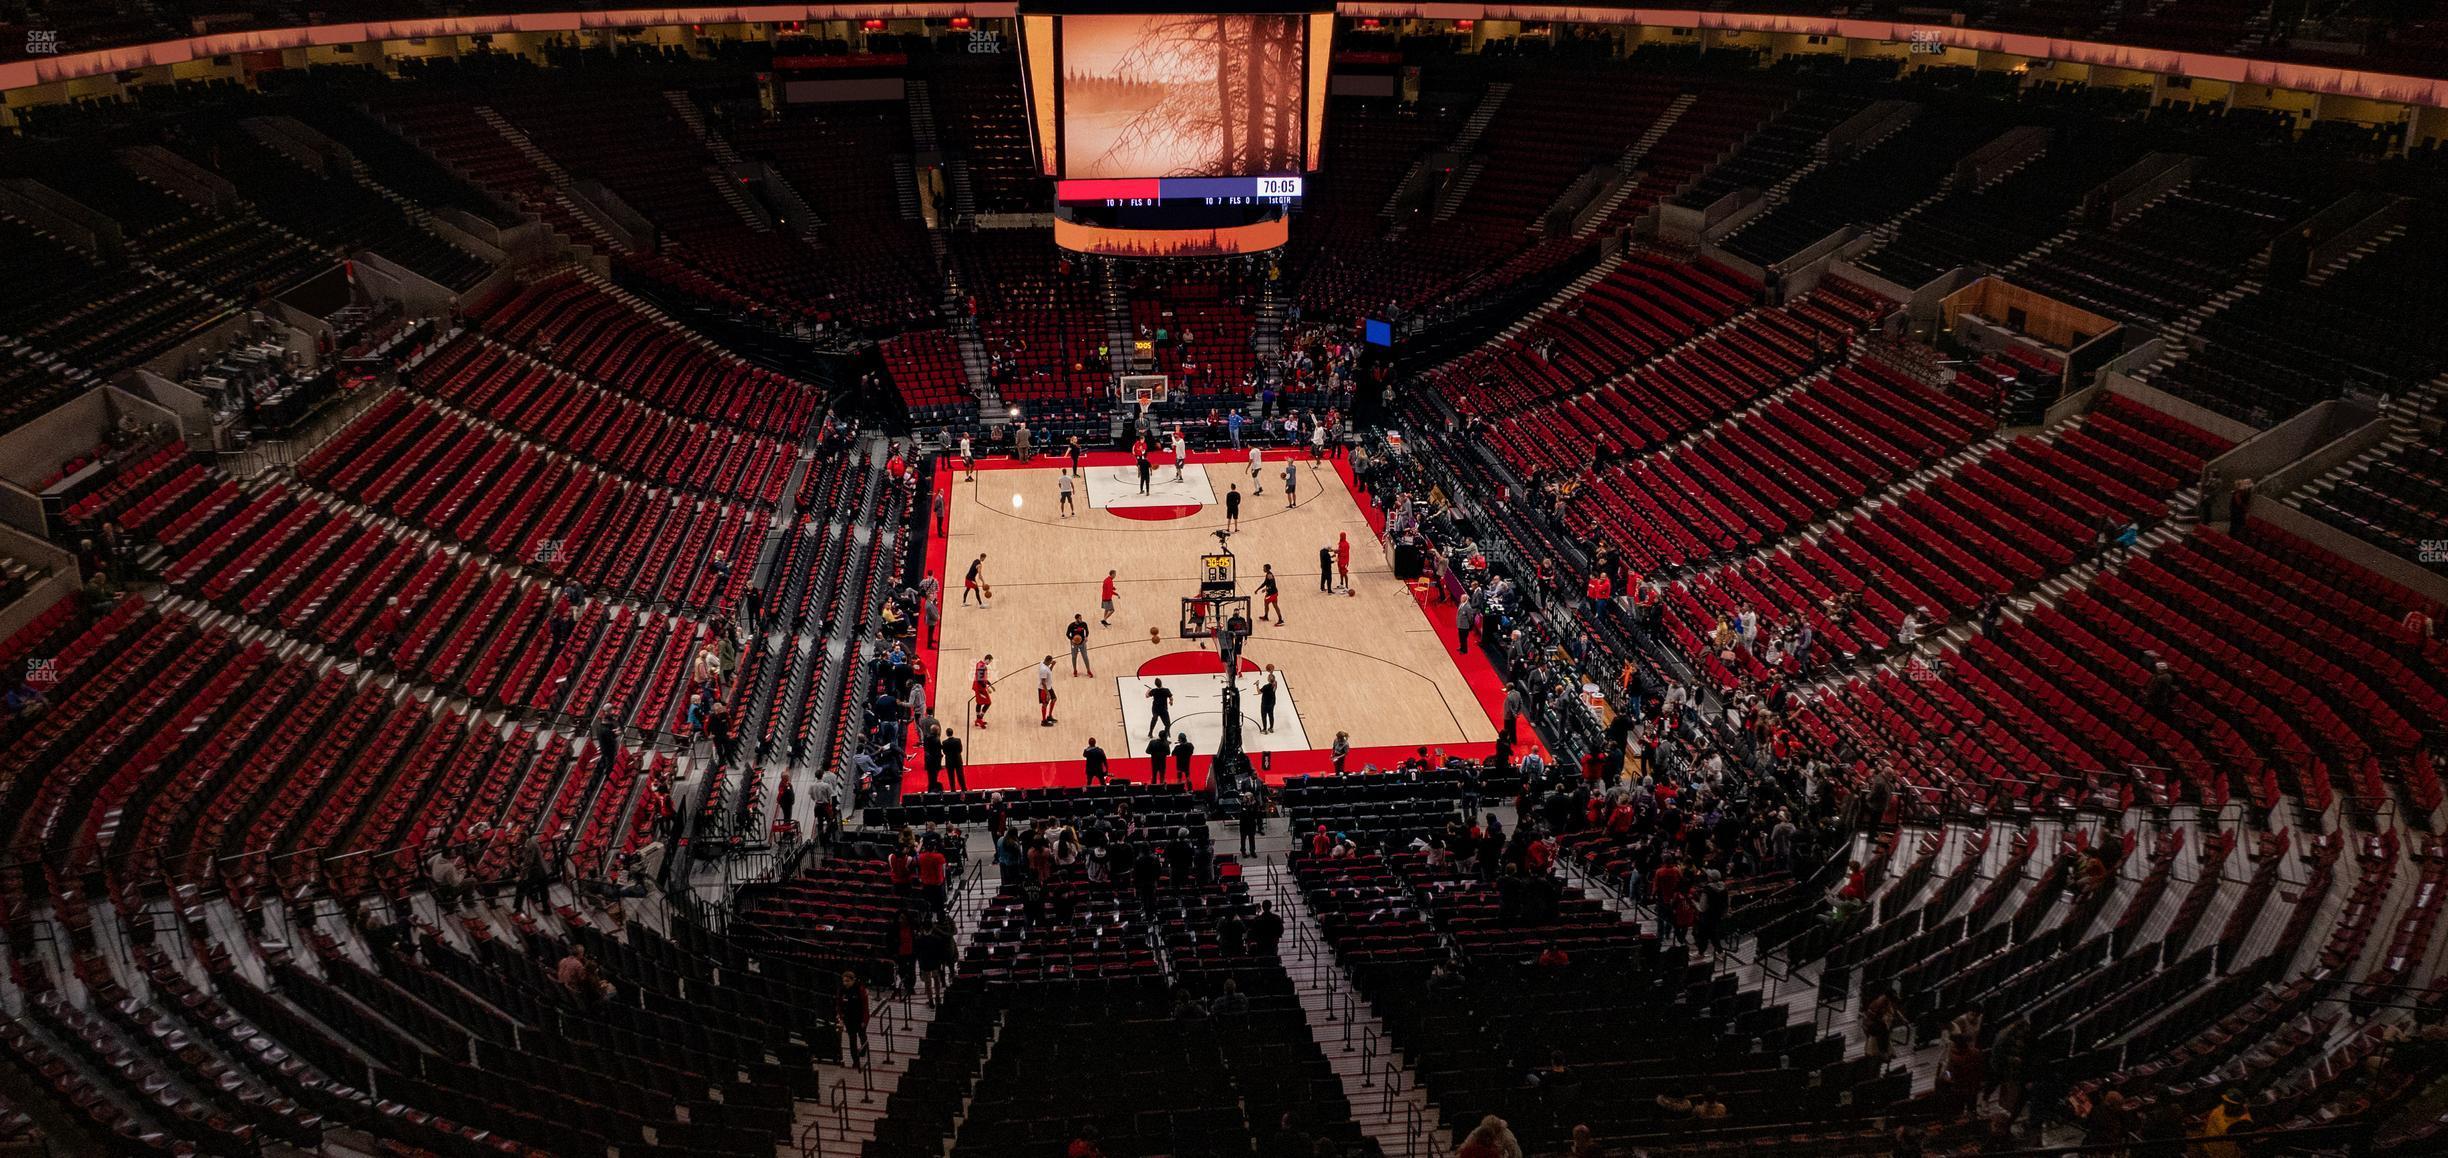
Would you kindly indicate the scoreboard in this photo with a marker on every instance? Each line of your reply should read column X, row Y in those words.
column 1141, row 192
column 1216, row 573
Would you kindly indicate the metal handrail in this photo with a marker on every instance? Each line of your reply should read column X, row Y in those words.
column 1368, row 1058
column 841, row 1110
column 1351, row 1014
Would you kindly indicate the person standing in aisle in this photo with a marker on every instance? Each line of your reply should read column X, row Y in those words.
column 955, row 763
column 1157, row 750
column 1077, row 633
column 1253, row 819
column 931, row 752
column 850, row 1009
column 718, row 729
column 607, row 741
column 535, row 874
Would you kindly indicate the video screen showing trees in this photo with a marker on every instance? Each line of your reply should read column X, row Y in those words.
column 1213, row 95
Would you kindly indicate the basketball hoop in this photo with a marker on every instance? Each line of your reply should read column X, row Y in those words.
column 1144, row 389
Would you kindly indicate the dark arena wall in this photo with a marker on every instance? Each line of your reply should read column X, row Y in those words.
column 580, row 581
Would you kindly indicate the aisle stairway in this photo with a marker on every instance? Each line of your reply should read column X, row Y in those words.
column 1386, row 1097
column 1627, row 167
column 844, row 1121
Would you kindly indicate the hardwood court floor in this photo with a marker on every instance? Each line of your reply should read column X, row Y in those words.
column 1373, row 663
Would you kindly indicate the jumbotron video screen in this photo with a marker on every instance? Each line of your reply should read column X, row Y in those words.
column 1177, row 94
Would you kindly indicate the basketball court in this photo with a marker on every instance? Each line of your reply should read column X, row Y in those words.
column 1377, row 663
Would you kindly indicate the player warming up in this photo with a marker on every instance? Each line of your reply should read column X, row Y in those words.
column 974, row 583
column 1106, row 598
column 981, row 688
column 1160, row 708
column 1077, row 633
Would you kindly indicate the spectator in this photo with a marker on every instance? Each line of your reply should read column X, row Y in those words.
column 448, row 872
column 1266, row 928
column 905, row 951
column 578, row 975
column 1232, row 936
column 1490, row 1139
column 535, row 873
column 2232, row 1115
column 933, row 873
column 850, row 1007
column 1963, row 1072
column 1878, row 1022
column 937, row 952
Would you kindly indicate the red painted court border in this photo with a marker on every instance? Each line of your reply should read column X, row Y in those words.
column 1160, row 513
column 1181, row 663
column 1131, row 763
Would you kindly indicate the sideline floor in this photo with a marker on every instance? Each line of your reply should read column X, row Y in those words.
column 1377, row 663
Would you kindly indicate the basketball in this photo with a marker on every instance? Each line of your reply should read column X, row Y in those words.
column 1155, row 636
